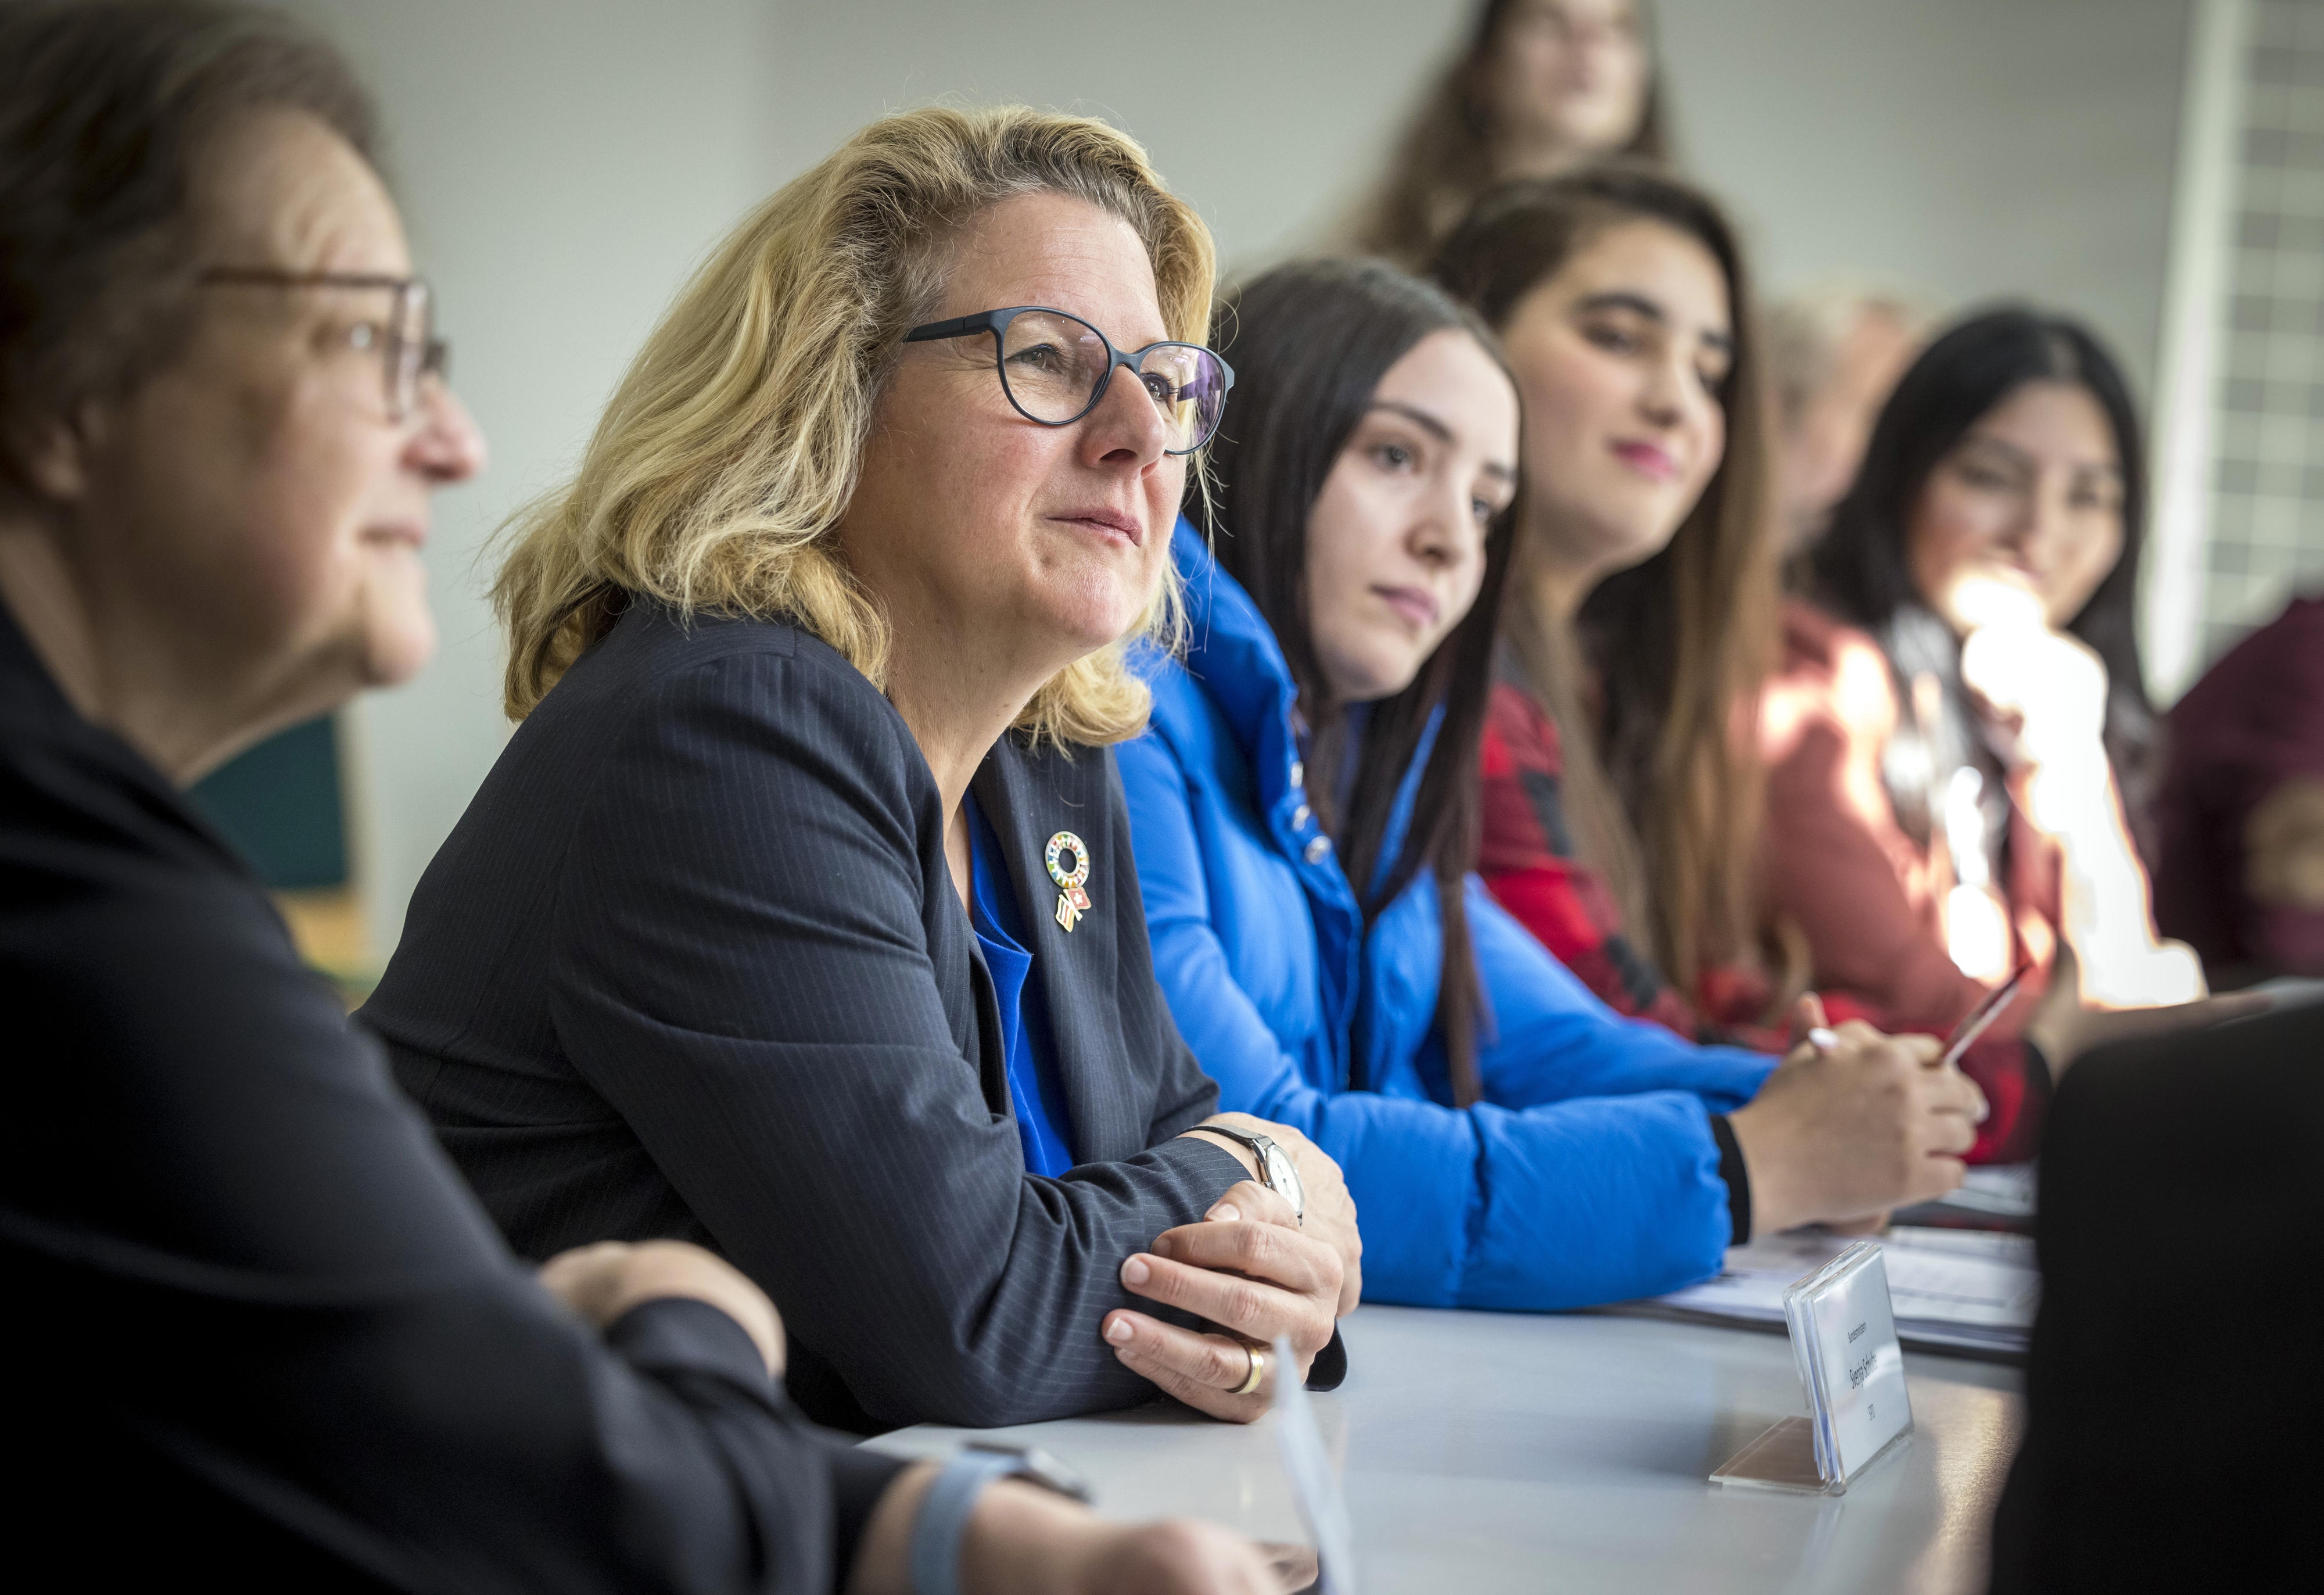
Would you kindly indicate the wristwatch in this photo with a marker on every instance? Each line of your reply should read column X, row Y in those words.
column 943, row 1519
column 1276, row 1171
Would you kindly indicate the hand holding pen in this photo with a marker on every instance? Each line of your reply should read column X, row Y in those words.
column 1852, row 1124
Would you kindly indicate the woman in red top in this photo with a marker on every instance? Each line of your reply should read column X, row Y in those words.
column 2239, row 819
column 1950, row 736
column 1645, row 589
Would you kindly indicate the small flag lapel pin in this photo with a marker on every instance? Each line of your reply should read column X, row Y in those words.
column 1067, row 857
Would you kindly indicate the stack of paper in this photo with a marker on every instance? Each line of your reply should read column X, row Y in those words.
column 1997, row 1196
column 1952, row 1289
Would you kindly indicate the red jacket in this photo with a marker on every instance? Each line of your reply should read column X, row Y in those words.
column 2254, row 721
column 1867, row 895
column 1870, row 898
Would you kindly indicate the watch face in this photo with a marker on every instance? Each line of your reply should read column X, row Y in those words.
column 1285, row 1177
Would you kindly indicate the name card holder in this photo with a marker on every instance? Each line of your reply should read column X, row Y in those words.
column 1844, row 1340
column 1314, row 1487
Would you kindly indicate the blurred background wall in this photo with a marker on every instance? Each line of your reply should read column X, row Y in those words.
column 562, row 164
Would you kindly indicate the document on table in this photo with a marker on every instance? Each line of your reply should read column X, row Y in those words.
column 1996, row 1196
column 2006, row 1188
column 1952, row 1289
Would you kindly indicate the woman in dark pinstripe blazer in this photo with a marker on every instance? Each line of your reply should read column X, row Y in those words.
column 824, row 644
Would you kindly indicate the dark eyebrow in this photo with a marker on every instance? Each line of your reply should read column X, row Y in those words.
column 2025, row 461
column 1441, row 432
column 1418, row 417
column 2002, row 445
column 1638, row 304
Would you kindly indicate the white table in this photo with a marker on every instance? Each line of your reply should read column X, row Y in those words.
column 1485, row 1452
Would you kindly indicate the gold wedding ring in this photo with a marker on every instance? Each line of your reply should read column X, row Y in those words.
column 1250, row 1387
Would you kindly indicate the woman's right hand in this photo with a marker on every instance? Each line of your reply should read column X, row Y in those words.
column 1021, row 1540
column 2044, row 691
column 1176, row 1557
column 1248, row 1270
column 602, row 1281
column 2045, row 694
column 1871, row 1124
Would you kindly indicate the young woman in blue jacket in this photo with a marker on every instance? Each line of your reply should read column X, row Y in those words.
column 1510, row 1142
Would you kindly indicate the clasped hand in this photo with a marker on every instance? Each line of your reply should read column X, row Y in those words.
column 1253, row 1272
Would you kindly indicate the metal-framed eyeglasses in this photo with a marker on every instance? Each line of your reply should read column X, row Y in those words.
column 1054, row 367
column 406, row 341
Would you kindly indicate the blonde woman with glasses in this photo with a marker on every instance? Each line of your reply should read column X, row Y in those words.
column 799, row 915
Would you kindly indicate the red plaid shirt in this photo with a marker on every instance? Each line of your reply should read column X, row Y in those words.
column 1529, row 862
column 1530, row 866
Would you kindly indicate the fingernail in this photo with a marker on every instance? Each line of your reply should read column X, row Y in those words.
column 1134, row 1271
column 1225, row 1212
column 1161, row 1248
column 1119, row 1331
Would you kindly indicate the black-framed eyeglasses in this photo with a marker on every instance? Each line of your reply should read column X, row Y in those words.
column 1054, row 368
column 406, row 341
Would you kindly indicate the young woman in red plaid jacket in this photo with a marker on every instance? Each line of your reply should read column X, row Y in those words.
column 1644, row 603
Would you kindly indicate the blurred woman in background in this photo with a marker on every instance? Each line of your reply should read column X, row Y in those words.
column 1621, row 794
column 1961, row 736
column 1834, row 353
column 1542, row 86
column 2239, row 812
column 1305, row 813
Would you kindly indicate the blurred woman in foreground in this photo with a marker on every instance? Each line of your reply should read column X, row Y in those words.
column 1306, row 821
column 258, row 1325
column 1960, row 733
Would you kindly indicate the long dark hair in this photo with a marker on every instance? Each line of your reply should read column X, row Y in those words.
column 1664, row 791
column 1310, row 344
column 1861, row 570
column 1445, row 157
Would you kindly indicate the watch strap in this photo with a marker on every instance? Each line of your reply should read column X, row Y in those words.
column 1258, row 1144
column 942, row 1520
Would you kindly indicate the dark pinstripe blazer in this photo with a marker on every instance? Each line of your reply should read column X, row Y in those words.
column 692, row 966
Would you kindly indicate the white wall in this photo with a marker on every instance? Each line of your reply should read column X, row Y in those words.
column 1269, row 117
column 1971, row 148
column 562, row 165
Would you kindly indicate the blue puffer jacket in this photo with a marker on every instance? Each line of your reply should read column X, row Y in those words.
column 1589, row 1173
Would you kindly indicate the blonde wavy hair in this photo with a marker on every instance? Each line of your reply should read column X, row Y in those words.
column 732, row 448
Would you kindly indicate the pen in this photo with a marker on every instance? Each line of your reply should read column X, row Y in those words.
column 1982, row 1016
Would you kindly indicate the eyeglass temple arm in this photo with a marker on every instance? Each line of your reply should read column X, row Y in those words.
column 279, row 277
column 958, row 327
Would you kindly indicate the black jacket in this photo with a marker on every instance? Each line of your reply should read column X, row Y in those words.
column 2174, row 1395
column 255, row 1323
column 692, row 964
